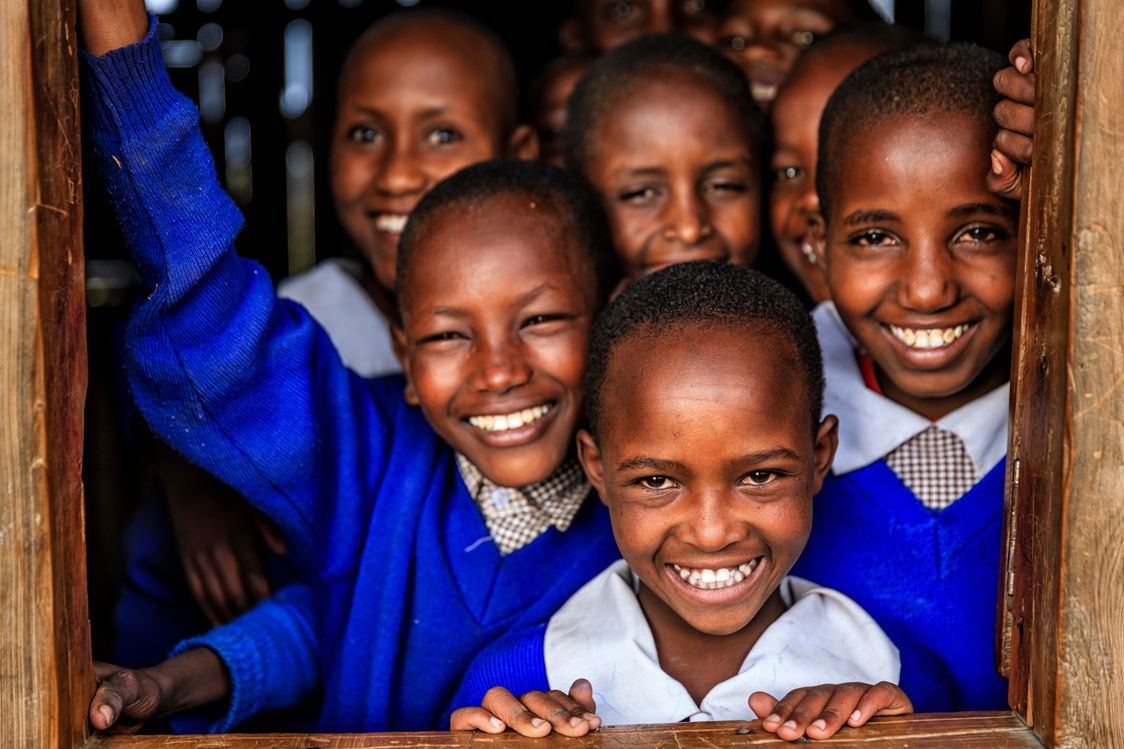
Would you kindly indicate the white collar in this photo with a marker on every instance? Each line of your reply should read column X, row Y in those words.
column 601, row 634
column 872, row 426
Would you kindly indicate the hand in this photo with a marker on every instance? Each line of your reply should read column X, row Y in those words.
column 217, row 535
column 820, row 711
column 534, row 714
column 106, row 25
column 1014, row 143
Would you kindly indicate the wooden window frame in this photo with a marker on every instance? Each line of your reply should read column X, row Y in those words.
column 1060, row 594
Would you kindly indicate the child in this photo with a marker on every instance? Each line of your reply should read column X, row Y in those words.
column 663, row 127
column 764, row 37
column 919, row 258
column 709, row 516
column 498, row 281
column 796, row 119
column 412, row 110
column 548, row 96
column 1014, row 114
column 600, row 25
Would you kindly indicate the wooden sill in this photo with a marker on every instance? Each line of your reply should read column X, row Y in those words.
column 999, row 730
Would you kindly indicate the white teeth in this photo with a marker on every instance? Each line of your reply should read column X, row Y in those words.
column 503, row 422
column 722, row 577
column 763, row 92
column 927, row 338
column 391, row 223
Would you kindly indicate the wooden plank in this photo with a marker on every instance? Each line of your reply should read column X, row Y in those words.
column 45, row 673
column 967, row 730
column 1067, row 669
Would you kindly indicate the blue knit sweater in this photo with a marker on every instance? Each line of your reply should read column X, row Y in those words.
column 404, row 583
column 928, row 578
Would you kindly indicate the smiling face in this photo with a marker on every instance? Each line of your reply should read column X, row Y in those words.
column 708, row 464
column 608, row 23
column 793, row 201
column 765, row 37
column 676, row 175
column 920, row 259
column 496, row 321
column 420, row 102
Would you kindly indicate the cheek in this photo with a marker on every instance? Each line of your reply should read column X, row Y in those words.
column 435, row 379
column 739, row 223
column 628, row 231
column 350, row 177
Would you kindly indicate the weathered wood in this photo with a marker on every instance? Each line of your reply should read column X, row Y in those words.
column 1067, row 578
column 45, row 673
column 966, row 730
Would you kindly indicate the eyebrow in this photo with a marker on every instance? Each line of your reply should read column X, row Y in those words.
column 869, row 217
column 424, row 114
column 521, row 302
column 669, row 466
column 674, row 466
column 989, row 209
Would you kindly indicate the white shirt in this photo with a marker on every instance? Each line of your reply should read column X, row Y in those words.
column 871, row 425
column 601, row 634
column 333, row 295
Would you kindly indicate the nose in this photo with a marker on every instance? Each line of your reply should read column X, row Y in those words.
column 661, row 19
column 687, row 221
column 499, row 365
column 808, row 202
column 400, row 173
column 710, row 525
column 928, row 282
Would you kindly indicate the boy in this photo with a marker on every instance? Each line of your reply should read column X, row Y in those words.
column 704, row 390
column 498, row 281
column 919, row 258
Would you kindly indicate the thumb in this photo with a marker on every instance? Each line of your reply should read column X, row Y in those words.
column 762, row 703
column 1006, row 177
column 581, row 691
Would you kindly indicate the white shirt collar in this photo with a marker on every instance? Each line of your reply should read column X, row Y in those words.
column 601, row 634
column 871, row 425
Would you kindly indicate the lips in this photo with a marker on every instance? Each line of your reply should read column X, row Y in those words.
column 391, row 223
column 711, row 578
column 514, row 428
column 508, row 421
column 925, row 339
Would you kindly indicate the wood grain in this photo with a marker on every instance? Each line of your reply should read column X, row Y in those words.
column 966, row 730
column 45, row 673
column 1067, row 634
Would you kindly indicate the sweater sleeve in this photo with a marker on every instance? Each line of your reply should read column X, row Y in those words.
column 272, row 655
column 242, row 383
column 514, row 662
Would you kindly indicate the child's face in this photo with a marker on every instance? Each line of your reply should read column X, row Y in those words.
column 497, row 312
column 920, row 259
column 764, row 37
column 611, row 22
column 550, row 119
column 707, row 464
column 415, row 108
column 792, row 198
column 676, row 176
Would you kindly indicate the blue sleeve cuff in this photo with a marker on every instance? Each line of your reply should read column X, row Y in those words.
column 272, row 656
column 514, row 662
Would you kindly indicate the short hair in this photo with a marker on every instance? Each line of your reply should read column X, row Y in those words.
column 581, row 215
column 629, row 66
column 925, row 82
column 703, row 294
column 505, row 66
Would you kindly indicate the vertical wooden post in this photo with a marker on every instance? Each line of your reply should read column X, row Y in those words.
column 45, row 672
column 1065, row 583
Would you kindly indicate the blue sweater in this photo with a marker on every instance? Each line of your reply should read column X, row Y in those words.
column 928, row 578
column 405, row 585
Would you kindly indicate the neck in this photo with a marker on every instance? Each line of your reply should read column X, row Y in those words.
column 698, row 660
column 997, row 372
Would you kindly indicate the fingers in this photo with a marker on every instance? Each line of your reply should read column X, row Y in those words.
column 475, row 719
column 229, row 572
column 1005, row 178
column 124, row 701
column 762, row 704
column 1017, row 118
column 254, row 580
column 581, row 691
column 1021, row 56
column 883, row 698
column 824, row 708
column 1013, row 85
column 504, row 705
column 535, row 714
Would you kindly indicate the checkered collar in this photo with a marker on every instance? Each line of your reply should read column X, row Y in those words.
column 871, row 425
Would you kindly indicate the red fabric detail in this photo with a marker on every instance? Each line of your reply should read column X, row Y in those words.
column 866, row 366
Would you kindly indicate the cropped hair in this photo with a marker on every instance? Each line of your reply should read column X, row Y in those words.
column 704, row 294
column 924, row 82
column 639, row 61
column 875, row 35
column 576, row 207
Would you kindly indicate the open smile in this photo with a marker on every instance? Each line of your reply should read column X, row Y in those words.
column 515, row 428
column 929, row 348
column 928, row 338
column 717, row 585
column 513, row 420
column 391, row 223
column 721, row 577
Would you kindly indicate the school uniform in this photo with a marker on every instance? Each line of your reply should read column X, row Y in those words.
column 405, row 582
column 908, row 525
column 602, row 635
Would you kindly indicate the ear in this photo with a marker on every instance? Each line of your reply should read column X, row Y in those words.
column 589, row 455
column 398, row 343
column 827, row 440
column 571, row 35
column 523, row 144
column 818, row 229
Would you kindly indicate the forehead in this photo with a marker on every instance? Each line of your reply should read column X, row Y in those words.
column 503, row 244
column 733, row 381
column 835, row 10
column 804, row 94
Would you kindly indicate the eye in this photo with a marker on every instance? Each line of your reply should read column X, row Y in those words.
column 638, row 195
column 982, row 235
column 693, row 7
column 873, row 238
column 725, row 187
column 363, row 134
column 656, row 483
column 623, row 11
column 801, row 37
column 543, row 319
column 786, row 174
column 760, row 478
column 443, row 136
column 447, row 335
column 734, row 43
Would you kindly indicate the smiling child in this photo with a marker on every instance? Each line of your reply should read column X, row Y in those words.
column 919, row 258
column 704, row 391
column 793, row 201
column 664, row 129
column 500, row 273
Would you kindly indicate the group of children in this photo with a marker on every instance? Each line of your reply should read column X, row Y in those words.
column 581, row 500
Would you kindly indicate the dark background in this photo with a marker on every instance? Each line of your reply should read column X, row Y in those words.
column 115, row 471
